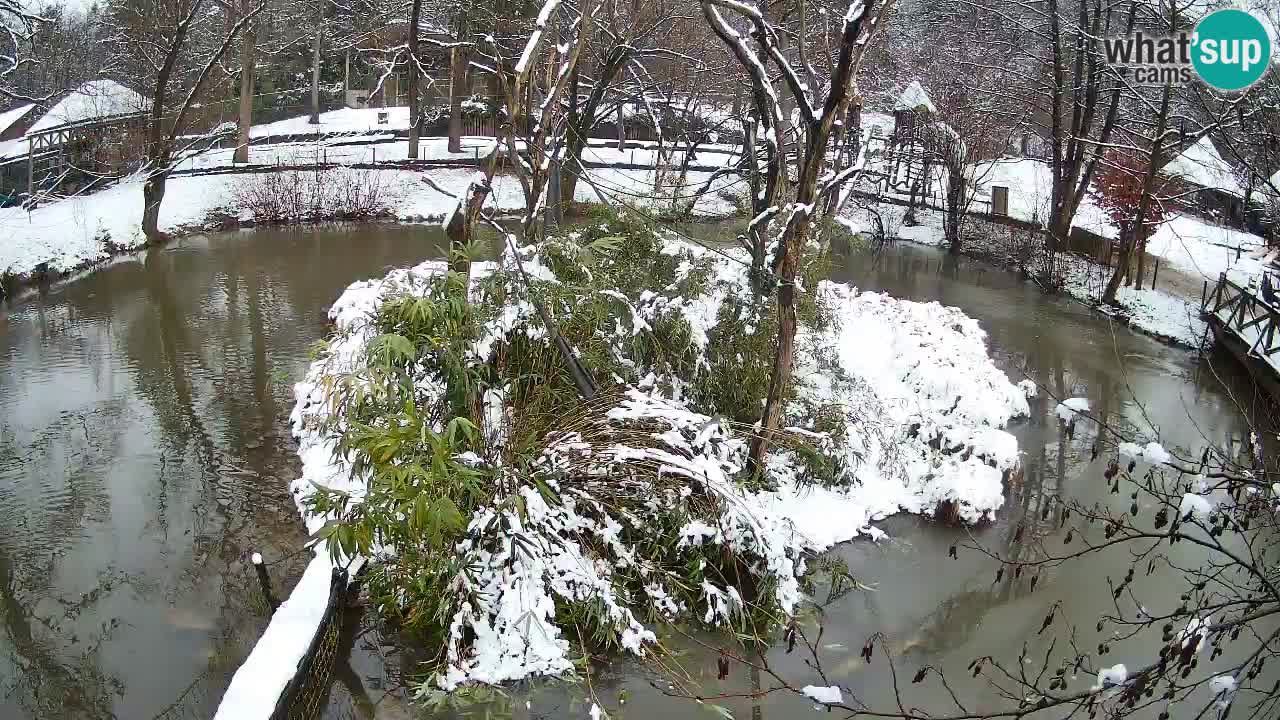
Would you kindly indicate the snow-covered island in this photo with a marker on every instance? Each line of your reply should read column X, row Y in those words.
column 637, row 507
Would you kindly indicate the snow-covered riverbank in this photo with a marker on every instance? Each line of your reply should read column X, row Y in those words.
column 72, row 233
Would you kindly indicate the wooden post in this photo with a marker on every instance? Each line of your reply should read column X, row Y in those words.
column 31, row 169
column 1155, row 269
column 622, row 127
column 264, row 582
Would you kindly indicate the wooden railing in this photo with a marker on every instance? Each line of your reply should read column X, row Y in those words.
column 1245, row 314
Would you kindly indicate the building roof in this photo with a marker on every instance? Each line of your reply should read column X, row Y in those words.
column 94, row 100
column 1200, row 164
column 9, row 117
column 915, row 98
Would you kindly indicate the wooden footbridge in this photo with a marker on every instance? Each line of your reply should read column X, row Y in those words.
column 1244, row 321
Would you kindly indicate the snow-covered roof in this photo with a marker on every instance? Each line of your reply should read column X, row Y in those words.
column 914, row 98
column 9, row 117
column 94, row 100
column 1201, row 165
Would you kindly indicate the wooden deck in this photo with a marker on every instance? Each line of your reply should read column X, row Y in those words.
column 1246, row 325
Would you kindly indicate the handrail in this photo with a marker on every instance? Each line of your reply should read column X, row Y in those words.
column 1245, row 310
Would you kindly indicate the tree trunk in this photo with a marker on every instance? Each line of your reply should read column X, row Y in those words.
column 955, row 210
column 462, row 222
column 246, row 94
column 152, row 195
column 1141, row 250
column 571, row 167
column 622, row 127
column 315, row 66
column 457, row 83
column 1122, row 265
column 784, row 355
column 415, row 118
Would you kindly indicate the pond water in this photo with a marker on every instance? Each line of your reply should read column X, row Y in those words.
column 144, row 455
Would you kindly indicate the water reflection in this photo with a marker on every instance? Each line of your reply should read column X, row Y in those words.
column 144, row 454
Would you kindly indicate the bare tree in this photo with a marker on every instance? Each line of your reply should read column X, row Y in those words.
column 248, row 50
column 823, row 107
column 20, row 24
column 1083, row 104
column 169, row 47
column 316, row 43
column 415, row 109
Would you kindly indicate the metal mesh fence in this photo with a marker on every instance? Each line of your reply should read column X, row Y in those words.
column 305, row 696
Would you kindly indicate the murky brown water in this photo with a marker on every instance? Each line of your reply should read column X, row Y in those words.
column 144, row 454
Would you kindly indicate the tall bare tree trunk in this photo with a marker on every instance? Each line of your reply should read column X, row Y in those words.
column 246, row 91
column 315, row 66
column 1140, row 247
column 415, row 119
column 1137, row 231
column 457, row 84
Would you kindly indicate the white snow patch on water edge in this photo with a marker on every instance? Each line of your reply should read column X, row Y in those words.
column 932, row 432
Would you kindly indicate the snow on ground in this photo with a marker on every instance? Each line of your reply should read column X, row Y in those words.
column 344, row 121
column 73, row 232
column 866, row 216
column 923, row 367
column 1030, row 184
column 1153, row 311
column 928, row 368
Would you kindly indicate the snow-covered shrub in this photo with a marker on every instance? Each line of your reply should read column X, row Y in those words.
column 508, row 516
column 499, row 501
column 303, row 195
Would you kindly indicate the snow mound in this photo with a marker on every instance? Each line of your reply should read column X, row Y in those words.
column 925, row 408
